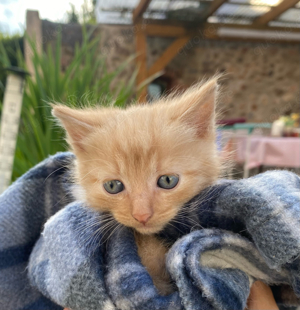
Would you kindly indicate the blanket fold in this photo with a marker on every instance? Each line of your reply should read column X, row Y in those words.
column 232, row 234
column 268, row 204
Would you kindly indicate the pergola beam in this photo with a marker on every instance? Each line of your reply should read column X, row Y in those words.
column 183, row 33
column 141, row 50
column 168, row 55
column 275, row 12
column 208, row 30
column 154, row 30
column 138, row 12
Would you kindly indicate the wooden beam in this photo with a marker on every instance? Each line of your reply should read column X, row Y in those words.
column 184, row 34
column 141, row 50
column 209, row 27
column 275, row 12
column 168, row 55
column 206, row 31
column 256, row 40
column 156, row 30
column 138, row 12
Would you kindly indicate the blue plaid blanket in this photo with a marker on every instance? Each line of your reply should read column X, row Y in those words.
column 233, row 233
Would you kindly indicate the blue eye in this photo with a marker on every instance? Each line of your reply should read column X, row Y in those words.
column 114, row 186
column 168, row 181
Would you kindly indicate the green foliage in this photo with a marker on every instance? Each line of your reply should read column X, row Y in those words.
column 11, row 44
column 85, row 80
column 86, row 14
column 72, row 16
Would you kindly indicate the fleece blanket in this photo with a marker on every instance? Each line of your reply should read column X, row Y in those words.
column 228, row 236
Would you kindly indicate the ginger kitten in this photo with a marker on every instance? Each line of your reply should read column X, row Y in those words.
column 142, row 164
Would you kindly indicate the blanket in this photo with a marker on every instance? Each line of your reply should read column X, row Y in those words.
column 53, row 253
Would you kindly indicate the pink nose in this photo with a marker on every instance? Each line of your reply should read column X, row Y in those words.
column 142, row 218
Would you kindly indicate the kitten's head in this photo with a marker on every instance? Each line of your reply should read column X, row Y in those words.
column 143, row 163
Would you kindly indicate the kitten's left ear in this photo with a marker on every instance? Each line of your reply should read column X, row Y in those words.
column 196, row 107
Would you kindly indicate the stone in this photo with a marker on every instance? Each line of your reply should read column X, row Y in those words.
column 260, row 77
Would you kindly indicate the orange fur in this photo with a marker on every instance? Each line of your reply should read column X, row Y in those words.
column 176, row 135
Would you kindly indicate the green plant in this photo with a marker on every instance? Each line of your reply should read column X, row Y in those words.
column 86, row 79
column 72, row 16
column 85, row 15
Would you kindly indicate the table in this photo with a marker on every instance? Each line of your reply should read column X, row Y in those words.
column 268, row 151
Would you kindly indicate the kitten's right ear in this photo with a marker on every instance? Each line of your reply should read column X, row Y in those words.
column 196, row 107
column 77, row 123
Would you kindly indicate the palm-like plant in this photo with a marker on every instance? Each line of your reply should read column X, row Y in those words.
column 85, row 80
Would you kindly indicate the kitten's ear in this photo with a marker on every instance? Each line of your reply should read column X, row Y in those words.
column 77, row 123
column 196, row 107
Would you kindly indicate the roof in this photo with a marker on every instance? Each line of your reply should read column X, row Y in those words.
column 274, row 13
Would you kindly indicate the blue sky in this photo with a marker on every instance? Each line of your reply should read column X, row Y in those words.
column 12, row 12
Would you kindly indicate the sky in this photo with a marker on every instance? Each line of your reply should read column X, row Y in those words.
column 13, row 12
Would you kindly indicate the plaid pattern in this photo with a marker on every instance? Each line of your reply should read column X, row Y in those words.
column 249, row 230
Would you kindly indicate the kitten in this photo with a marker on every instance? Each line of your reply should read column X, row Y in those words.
column 142, row 164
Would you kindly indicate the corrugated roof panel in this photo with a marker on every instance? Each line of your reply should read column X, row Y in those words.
column 233, row 11
column 166, row 5
column 186, row 11
column 258, row 2
column 241, row 11
column 159, row 5
column 291, row 16
column 155, row 15
column 117, row 4
column 114, row 18
column 228, row 20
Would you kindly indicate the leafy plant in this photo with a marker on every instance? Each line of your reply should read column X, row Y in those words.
column 86, row 79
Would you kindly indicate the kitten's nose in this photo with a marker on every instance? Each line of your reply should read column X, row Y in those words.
column 142, row 218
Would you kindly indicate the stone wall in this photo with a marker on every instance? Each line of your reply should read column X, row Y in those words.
column 262, row 79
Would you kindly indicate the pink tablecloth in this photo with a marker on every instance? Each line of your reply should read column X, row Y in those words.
column 269, row 151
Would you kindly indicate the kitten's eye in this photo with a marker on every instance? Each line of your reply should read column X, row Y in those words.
column 168, row 181
column 114, row 186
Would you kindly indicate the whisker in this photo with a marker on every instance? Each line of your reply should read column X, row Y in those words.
column 48, row 176
column 113, row 231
